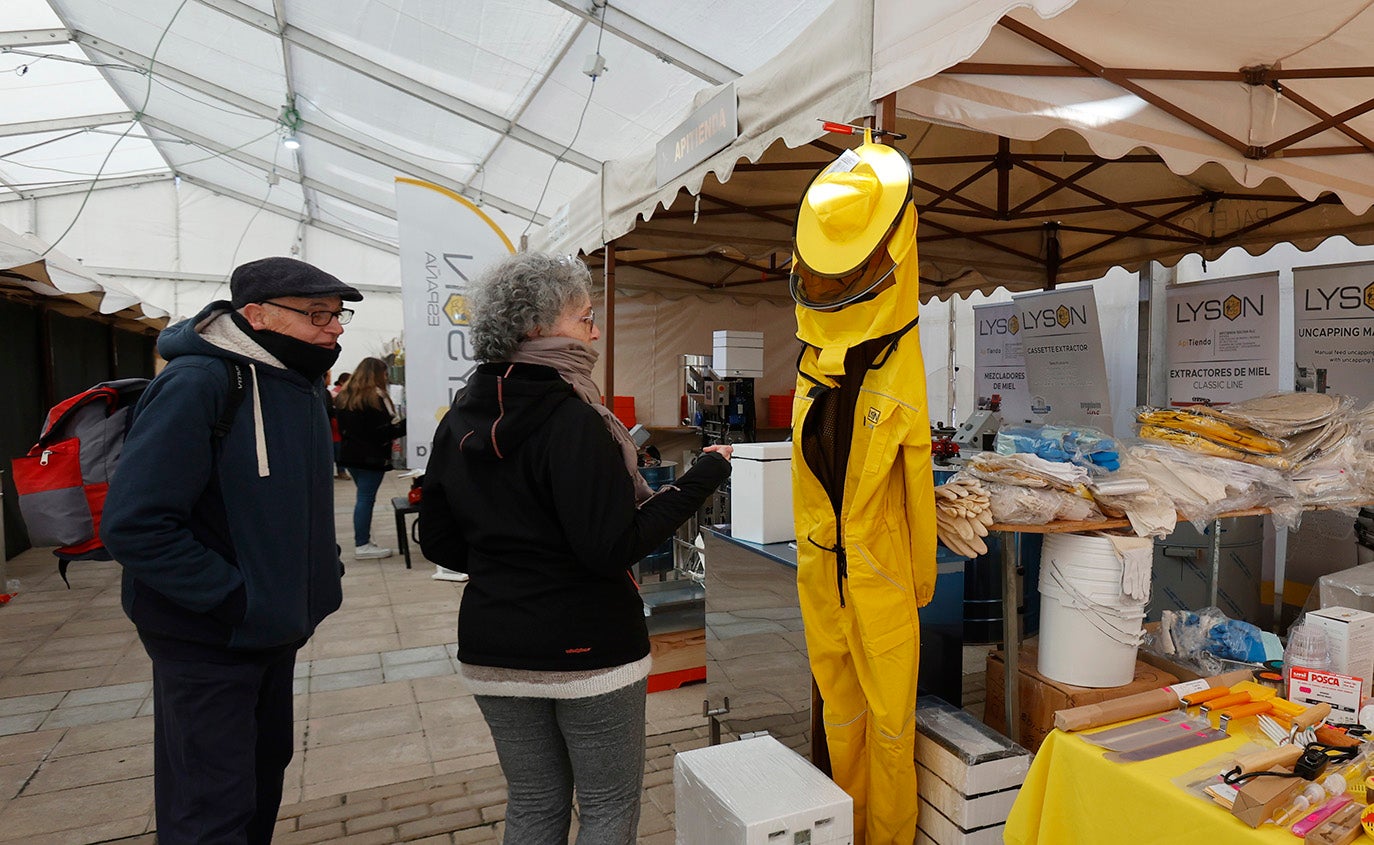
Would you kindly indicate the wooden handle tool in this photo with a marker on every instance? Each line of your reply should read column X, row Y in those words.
column 1311, row 716
column 1263, row 761
column 1336, row 737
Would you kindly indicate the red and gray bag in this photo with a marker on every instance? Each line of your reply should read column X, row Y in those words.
column 63, row 480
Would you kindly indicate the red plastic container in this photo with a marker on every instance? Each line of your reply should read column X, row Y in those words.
column 780, row 411
column 624, row 410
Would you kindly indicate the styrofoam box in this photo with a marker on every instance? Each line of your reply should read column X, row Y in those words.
column 757, row 792
column 1350, row 634
column 737, row 360
column 939, row 830
column 1352, row 587
column 963, row 752
column 761, row 493
column 731, row 338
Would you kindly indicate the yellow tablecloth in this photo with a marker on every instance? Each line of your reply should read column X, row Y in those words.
column 1072, row 796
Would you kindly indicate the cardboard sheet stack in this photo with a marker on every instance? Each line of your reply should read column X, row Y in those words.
column 968, row 776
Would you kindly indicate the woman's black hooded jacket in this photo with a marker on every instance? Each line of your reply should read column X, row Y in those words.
column 527, row 492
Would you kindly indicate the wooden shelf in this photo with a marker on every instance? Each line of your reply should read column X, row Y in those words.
column 1107, row 524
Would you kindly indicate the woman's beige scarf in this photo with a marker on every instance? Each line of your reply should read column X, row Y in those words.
column 574, row 360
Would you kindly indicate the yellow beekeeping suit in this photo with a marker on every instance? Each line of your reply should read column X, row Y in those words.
column 864, row 506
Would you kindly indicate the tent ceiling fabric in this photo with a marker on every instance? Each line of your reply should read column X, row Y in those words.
column 1049, row 145
column 1264, row 87
column 481, row 96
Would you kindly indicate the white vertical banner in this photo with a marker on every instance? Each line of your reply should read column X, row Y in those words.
column 999, row 363
column 1062, row 344
column 1333, row 339
column 445, row 241
column 1223, row 340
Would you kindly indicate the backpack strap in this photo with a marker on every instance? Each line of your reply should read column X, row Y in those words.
column 237, row 389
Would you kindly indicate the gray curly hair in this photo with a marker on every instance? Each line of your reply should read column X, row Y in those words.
column 518, row 294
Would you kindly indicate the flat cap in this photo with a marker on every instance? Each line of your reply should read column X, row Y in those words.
column 268, row 278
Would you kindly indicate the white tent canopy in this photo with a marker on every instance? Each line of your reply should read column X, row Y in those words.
column 1052, row 141
column 1266, row 88
column 28, row 267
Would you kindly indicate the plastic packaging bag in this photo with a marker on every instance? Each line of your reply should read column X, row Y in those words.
column 1338, row 478
column 1202, row 487
column 1071, row 444
column 1221, row 431
column 1206, row 446
column 1016, row 505
column 1026, row 470
column 1283, row 414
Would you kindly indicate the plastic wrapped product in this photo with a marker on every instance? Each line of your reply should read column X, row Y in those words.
column 1026, row 470
column 1151, row 513
column 1336, row 479
column 1238, row 437
column 1069, row 444
column 1014, row 505
column 1207, row 446
column 1283, row 414
column 1202, row 486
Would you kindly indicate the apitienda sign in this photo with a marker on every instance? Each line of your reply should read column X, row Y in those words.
column 707, row 131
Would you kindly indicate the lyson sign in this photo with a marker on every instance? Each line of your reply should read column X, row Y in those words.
column 999, row 364
column 1063, row 317
column 1337, row 298
column 1333, row 337
column 1223, row 340
column 706, row 132
column 1231, row 308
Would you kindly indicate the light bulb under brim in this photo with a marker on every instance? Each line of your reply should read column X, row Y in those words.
column 291, row 142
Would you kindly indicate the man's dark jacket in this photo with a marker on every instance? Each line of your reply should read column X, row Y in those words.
column 228, row 543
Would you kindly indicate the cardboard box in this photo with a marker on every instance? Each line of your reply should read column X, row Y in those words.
column 1040, row 697
column 1260, row 797
column 1320, row 686
column 757, row 792
column 1350, row 635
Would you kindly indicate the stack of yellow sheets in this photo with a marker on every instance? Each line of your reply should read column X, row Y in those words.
column 1212, row 435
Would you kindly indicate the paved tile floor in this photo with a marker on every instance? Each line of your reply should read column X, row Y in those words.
column 390, row 747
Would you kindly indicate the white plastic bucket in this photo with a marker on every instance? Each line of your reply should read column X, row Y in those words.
column 1089, row 629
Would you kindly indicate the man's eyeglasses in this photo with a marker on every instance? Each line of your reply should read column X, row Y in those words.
column 319, row 319
column 590, row 319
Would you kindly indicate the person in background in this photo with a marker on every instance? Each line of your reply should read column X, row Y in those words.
column 227, row 544
column 532, row 489
column 333, row 391
column 368, row 423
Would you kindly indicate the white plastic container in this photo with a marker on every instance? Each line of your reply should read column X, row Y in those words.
column 1090, row 629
